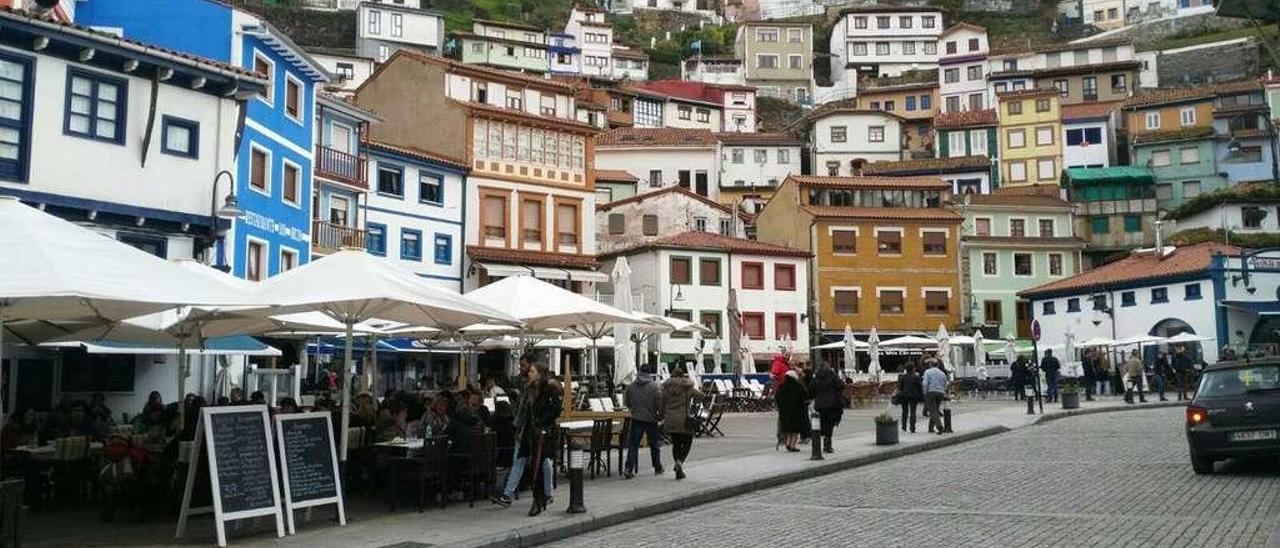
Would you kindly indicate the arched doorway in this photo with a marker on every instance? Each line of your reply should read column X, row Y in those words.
column 856, row 166
column 1265, row 336
column 1169, row 327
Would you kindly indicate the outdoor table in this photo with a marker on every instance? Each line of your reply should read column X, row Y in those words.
column 48, row 450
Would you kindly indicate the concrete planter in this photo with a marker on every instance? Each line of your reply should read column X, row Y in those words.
column 1070, row 400
column 887, row 433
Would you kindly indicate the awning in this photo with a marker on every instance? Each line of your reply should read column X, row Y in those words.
column 587, row 276
column 1108, row 175
column 416, row 346
column 503, row 270
column 1261, row 308
column 240, row 345
column 545, row 273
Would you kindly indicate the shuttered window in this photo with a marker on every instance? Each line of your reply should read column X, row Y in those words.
column 936, row 302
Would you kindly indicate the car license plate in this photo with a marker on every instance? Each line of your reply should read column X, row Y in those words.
column 1253, row 435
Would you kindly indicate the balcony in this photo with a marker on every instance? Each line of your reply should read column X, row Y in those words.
column 329, row 238
column 341, row 167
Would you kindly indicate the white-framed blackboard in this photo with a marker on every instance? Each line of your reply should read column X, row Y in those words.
column 242, row 467
column 309, row 464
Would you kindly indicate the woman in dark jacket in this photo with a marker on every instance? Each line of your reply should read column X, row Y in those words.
column 538, row 433
column 912, row 393
column 828, row 399
column 791, row 414
column 677, row 394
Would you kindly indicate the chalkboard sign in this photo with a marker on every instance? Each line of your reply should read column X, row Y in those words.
column 241, row 464
column 309, row 463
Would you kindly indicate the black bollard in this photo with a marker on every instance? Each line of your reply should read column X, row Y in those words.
column 576, row 505
column 815, row 434
column 946, row 420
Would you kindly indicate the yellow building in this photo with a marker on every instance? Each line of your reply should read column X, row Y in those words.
column 884, row 248
column 1030, row 137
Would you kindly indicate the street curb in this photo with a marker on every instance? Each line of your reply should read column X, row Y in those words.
column 1060, row 414
column 542, row 534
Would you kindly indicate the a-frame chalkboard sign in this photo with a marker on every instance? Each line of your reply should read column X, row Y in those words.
column 309, row 463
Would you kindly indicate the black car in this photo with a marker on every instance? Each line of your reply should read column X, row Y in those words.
column 1235, row 413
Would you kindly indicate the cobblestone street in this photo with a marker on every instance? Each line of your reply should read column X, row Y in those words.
column 1116, row 479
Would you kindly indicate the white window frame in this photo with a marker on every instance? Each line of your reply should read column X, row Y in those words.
column 302, row 105
column 298, row 203
column 397, row 25
column 1182, row 155
column 977, row 142
column 286, row 250
column 880, row 292
column 1153, row 120
column 264, row 261
column 762, row 56
column 1187, row 116
column 982, row 268
column 270, row 97
column 1052, row 222
column 268, row 166
column 902, row 244
column 831, row 234
column 990, row 225
column 1048, row 265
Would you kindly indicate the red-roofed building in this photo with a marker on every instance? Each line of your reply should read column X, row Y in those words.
column 1089, row 134
column 662, row 157
column 737, row 102
column 691, row 275
column 648, row 216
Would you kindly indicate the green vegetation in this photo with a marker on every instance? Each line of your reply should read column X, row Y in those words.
column 1261, row 193
column 1009, row 30
column 458, row 14
column 776, row 115
column 1183, row 40
column 1201, row 235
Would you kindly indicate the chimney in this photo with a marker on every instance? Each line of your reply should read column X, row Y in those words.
column 1159, row 239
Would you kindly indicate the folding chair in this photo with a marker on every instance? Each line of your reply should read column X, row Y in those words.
column 607, row 404
column 595, row 405
column 716, row 412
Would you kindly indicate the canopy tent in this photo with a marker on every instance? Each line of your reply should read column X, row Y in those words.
column 624, row 366
column 910, row 341
column 1095, row 342
column 840, row 345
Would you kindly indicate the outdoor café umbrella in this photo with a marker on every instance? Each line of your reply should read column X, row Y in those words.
column 944, row 347
column 849, row 345
column 1096, row 342
column 695, row 372
column 979, row 353
column 745, row 357
column 352, row 286
column 717, row 355
column 624, row 366
column 1010, row 350
column 1187, row 337
column 873, row 350
column 736, row 343
column 1069, row 352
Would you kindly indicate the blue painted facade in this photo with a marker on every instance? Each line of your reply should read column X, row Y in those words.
column 212, row 29
column 341, row 180
column 1245, row 146
column 563, row 54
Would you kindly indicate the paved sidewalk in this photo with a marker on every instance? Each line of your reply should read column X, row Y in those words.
column 741, row 462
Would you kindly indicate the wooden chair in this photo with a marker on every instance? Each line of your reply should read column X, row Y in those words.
column 619, row 443
column 426, row 468
column 599, row 450
column 480, row 468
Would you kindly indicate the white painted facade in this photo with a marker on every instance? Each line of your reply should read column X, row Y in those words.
column 674, row 211
column 1087, row 153
column 464, row 88
column 859, row 144
column 382, row 28
column 714, row 71
column 628, row 65
column 739, row 111
column 349, row 71
column 1231, row 216
column 745, row 165
column 686, row 114
column 968, row 60
column 436, row 223
column 664, row 162
column 1080, row 54
column 908, row 41
column 963, row 181
column 595, row 37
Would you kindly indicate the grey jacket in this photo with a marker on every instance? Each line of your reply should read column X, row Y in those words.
column 644, row 399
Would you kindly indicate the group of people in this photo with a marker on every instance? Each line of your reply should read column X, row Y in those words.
column 656, row 409
column 1101, row 377
column 796, row 385
column 928, row 387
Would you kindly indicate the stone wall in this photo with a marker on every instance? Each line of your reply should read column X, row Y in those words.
column 1218, row 62
column 1020, row 7
column 655, row 22
column 1147, row 34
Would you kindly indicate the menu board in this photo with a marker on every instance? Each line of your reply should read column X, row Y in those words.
column 309, row 463
column 245, row 469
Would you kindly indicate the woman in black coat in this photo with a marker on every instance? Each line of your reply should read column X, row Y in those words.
column 828, row 399
column 911, row 393
column 538, row 432
column 791, row 413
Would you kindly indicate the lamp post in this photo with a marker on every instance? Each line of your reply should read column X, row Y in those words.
column 230, row 210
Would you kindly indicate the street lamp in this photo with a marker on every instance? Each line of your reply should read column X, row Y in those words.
column 230, row 210
column 676, row 296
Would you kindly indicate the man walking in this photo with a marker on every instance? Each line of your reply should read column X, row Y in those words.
column 1182, row 371
column 1133, row 370
column 1087, row 366
column 1102, row 371
column 1050, row 365
column 935, row 389
column 1164, row 374
column 644, row 399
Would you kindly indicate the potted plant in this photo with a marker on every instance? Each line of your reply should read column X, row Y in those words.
column 1069, row 391
column 886, row 429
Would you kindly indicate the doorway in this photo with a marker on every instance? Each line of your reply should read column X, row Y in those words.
column 1022, row 310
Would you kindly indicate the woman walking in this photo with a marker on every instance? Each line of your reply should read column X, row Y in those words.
column 791, row 414
column 677, row 394
column 828, row 399
column 910, row 394
column 538, row 434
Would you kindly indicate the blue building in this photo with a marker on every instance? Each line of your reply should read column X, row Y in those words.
column 273, row 168
column 341, row 177
column 1245, row 147
column 563, row 54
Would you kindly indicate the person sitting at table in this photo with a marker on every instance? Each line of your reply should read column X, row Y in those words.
column 288, row 406
column 491, row 388
column 99, row 411
column 236, row 396
column 364, row 413
column 79, row 423
column 470, row 416
column 257, row 398
column 20, row 429
column 392, row 422
column 435, row 422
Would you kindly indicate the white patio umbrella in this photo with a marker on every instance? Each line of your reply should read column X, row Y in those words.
column 624, row 366
column 1010, row 350
column 745, row 358
column 717, row 355
column 1095, row 342
column 839, row 345
column 873, row 349
column 910, row 341
column 353, row 286
column 1139, row 340
column 1186, row 337
column 849, row 344
column 699, row 344
column 737, row 339
column 944, row 347
column 962, row 340
column 979, row 353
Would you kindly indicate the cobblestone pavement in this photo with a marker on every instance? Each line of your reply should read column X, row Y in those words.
column 1108, row 480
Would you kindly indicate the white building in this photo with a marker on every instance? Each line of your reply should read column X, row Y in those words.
column 1233, row 210
column 1088, row 134
column 1202, row 289
column 704, row 8
column 661, row 109
column 962, row 68
column 844, row 140
column 594, row 36
column 714, row 70
column 630, row 64
column 662, row 157
column 421, row 227
column 689, row 276
column 966, row 174
column 883, row 40
column 646, row 217
column 384, row 27
column 349, row 69
column 758, row 160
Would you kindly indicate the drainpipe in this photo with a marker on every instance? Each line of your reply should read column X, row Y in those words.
column 815, row 316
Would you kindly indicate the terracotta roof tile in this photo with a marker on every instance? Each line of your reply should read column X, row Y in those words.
column 1077, row 69
column 1024, row 93
column 889, row 8
column 1148, row 98
column 657, row 193
column 1025, row 200
column 963, row 25
column 928, row 165
column 742, row 138
column 615, row 175
column 417, row 153
column 886, row 213
column 1237, row 86
column 656, row 137
column 1088, row 111
column 536, row 258
column 455, row 66
column 966, row 118
column 1138, row 266
column 871, row 182
column 711, row 241
column 1195, row 132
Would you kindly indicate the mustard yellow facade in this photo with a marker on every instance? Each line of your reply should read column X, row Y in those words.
column 1030, row 137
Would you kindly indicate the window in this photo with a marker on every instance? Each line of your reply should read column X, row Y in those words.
column 1190, row 189
column 178, row 137
column 936, row 302
column 990, row 263
column 1044, row 135
column 839, row 134
column 904, row 21
column 547, row 105
column 784, row 277
column 1073, row 304
column 767, row 35
column 767, row 61
column 1252, row 216
column 762, row 156
column 973, row 44
column 859, row 49
column 410, row 245
column 752, row 275
column 1099, row 302
column 795, row 62
column 1128, row 298
column 290, row 183
column 1187, row 116
column 655, row 178
column 955, row 139
column 1191, row 292
column 1017, row 171
column 495, row 217
column 710, row 320
column 288, row 260
column 1084, row 136
column 1159, row 295
column 1100, row 225
column 1160, row 158
column 888, row 105
column 889, row 242
column 391, row 181
column 1063, row 87
column 709, row 271
column 891, row 301
column 844, row 242
column 1046, row 169
column 1022, row 264
column 875, row 134
column 96, row 106
column 860, row 22
column 681, row 270
column 975, row 72
column 1164, row 191
column 1014, row 107
column 1046, row 228
column 531, row 222
column 1042, row 105
column 882, row 48
column 1055, row 264
column 617, row 224
column 784, row 326
column 375, row 22
column 726, row 226
column 260, row 169
column 784, row 156
column 1132, row 223
column 951, row 47
column 1119, row 83
column 882, row 22
column 515, row 101
column 908, row 48
column 846, row 301
column 1089, row 88
column 567, row 224
column 1189, row 155
column 376, row 239
column 1248, row 155
column 15, row 117
column 649, row 225
column 293, row 98
column 935, row 243
column 1018, row 228
column 927, row 21
column 704, row 115
column 795, row 36
column 951, row 75
column 1153, row 120
column 753, row 325
column 910, row 103
column 255, row 259
column 444, row 249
